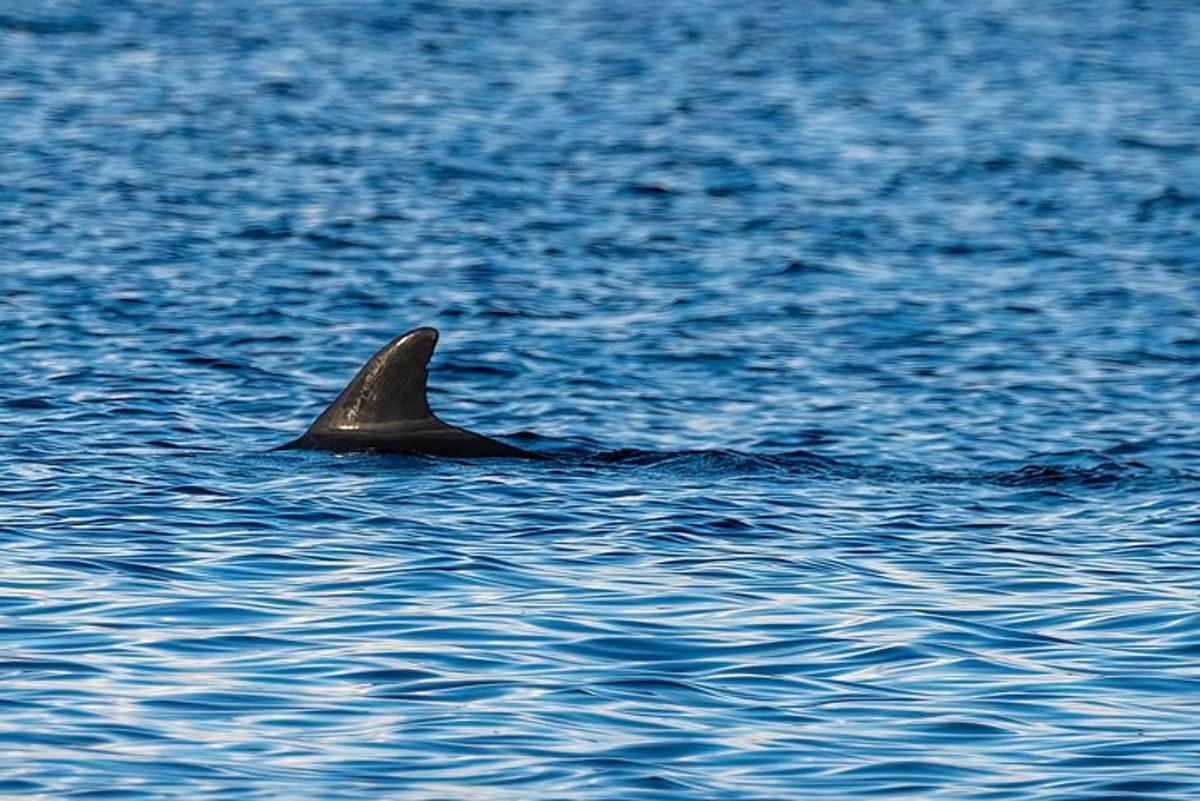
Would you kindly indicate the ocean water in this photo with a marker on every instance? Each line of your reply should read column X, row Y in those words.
column 864, row 336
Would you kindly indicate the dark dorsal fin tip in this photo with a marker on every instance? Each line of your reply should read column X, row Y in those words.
column 389, row 388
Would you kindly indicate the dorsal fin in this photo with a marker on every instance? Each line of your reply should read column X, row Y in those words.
column 390, row 387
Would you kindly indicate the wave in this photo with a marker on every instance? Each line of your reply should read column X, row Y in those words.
column 1082, row 468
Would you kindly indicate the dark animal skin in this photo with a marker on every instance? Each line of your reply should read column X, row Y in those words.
column 384, row 409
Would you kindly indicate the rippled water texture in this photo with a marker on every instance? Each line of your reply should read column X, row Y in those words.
column 864, row 336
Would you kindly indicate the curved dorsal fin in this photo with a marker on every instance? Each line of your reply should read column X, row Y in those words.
column 389, row 388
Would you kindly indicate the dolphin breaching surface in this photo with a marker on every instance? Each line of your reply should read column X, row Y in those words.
column 815, row 412
column 385, row 409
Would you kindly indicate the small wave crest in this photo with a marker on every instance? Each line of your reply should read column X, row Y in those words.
column 1044, row 470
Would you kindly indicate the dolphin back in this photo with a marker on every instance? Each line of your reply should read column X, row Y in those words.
column 384, row 408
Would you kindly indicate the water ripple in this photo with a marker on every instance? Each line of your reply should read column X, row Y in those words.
column 861, row 337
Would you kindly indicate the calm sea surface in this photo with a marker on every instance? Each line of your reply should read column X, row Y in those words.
column 865, row 335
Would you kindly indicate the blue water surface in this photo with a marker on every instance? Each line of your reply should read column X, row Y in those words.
column 864, row 335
